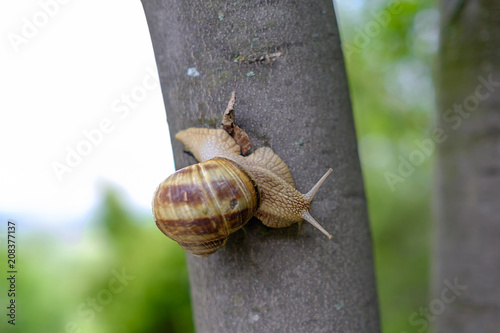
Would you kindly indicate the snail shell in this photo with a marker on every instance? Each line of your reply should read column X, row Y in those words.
column 201, row 205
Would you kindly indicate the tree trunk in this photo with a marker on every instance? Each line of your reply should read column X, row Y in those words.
column 284, row 61
column 467, row 265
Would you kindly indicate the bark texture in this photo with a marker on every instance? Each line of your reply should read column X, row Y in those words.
column 284, row 61
column 468, row 170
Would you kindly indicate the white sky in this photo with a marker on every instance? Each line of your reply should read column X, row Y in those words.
column 68, row 75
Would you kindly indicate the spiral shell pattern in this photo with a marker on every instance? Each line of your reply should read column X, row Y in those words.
column 201, row 205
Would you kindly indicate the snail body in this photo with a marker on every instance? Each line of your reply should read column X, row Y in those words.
column 201, row 205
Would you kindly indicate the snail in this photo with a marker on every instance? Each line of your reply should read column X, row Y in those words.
column 201, row 205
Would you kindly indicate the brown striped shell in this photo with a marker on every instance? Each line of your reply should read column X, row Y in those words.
column 201, row 205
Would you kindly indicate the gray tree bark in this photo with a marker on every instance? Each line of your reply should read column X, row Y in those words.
column 284, row 61
column 468, row 170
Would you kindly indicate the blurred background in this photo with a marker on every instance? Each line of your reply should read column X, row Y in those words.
column 84, row 143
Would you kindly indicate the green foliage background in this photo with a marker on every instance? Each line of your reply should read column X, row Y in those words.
column 390, row 76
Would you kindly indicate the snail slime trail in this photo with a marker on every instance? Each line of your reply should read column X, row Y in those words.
column 201, row 205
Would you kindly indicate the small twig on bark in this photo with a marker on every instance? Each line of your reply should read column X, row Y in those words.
column 230, row 127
